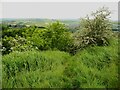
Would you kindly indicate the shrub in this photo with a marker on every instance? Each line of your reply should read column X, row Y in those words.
column 59, row 36
column 16, row 43
column 95, row 30
column 55, row 35
column 40, row 39
column 15, row 39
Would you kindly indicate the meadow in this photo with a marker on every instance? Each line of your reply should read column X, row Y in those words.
column 54, row 55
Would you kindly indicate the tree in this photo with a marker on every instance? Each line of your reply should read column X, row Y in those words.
column 59, row 35
column 54, row 36
column 95, row 30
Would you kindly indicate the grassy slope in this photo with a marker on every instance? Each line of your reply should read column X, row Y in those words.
column 93, row 67
column 31, row 66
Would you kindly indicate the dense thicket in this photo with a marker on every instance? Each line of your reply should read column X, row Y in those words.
column 53, row 36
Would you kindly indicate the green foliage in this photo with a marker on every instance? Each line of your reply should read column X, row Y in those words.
column 54, row 36
column 59, row 35
column 16, row 43
column 12, row 32
column 14, row 39
column 39, row 39
column 93, row 67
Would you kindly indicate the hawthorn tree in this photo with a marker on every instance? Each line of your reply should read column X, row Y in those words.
column 95, row 29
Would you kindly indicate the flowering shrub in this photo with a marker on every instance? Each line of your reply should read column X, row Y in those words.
column 95, row 30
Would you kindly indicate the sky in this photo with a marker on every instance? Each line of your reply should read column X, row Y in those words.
column 54, row 10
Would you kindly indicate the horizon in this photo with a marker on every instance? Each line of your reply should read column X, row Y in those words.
column 45, row 18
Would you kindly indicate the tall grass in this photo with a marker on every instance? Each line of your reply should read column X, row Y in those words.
column 0, row 70
column 93, row 70
column 21, row 69
column 93, row 67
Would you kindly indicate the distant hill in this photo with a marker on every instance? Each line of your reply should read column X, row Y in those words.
column 33, row 21
column 72, row 23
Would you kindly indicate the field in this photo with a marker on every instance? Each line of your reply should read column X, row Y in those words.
column 44, row 53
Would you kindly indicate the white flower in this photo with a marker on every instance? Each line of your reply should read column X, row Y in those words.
column 36, row 47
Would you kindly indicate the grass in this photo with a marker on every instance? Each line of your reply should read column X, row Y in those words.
column 0, row 71
column 93, row 67
column 32, row 64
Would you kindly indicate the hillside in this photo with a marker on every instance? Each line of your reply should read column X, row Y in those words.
column 49, row 53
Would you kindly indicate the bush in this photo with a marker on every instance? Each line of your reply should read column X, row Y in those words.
column 16, row 43
column 39, row 39
column 14, row 39
column 54, row 36
column 95, row 30
column 59, row 36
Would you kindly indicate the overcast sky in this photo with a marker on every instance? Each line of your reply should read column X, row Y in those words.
column 55, row 10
